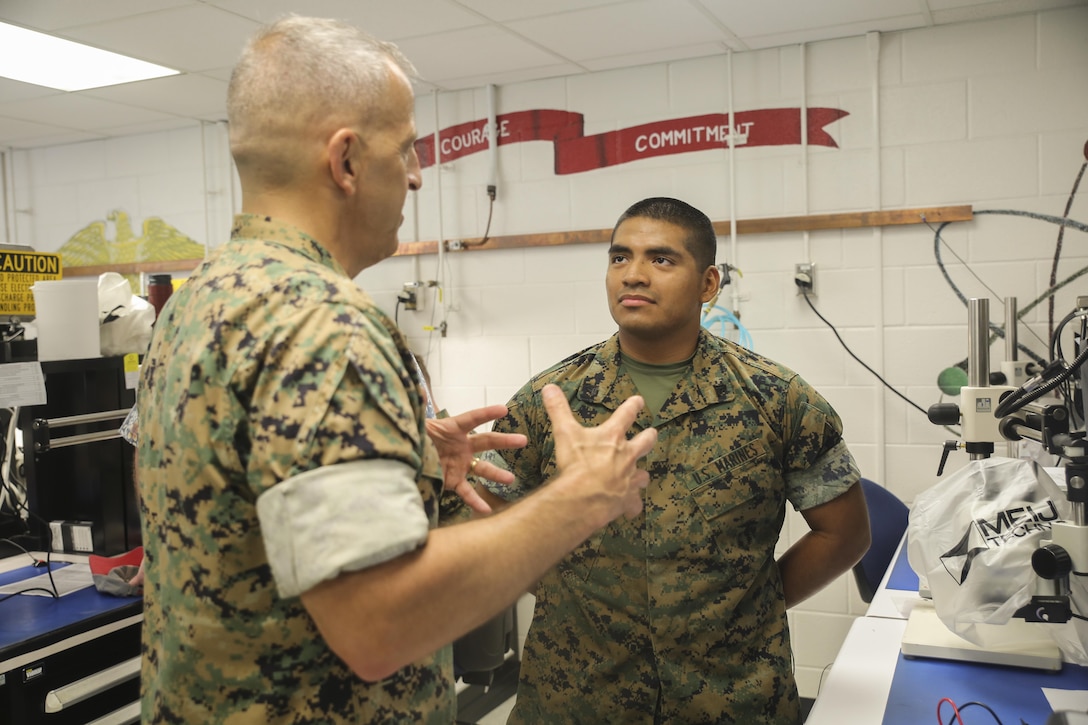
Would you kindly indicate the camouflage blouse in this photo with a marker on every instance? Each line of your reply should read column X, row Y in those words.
column 678, row 615
column 267, row 363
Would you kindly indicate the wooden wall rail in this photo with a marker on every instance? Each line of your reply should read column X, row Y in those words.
column 770, row 225
column 173, row 265
column 811, row 222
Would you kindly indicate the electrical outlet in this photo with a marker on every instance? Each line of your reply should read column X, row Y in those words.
column 804, row 277
column 409, row 297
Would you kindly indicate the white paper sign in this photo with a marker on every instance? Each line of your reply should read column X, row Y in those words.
column 21, row 384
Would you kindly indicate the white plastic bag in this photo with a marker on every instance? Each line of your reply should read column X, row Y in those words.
column 124, row 319
column 972, row 536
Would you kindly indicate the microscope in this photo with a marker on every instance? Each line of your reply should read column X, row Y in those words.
column 1029, row 410
column 1056, row 428
column 979, row 399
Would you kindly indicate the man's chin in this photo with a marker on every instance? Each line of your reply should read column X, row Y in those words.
column 394, row 245
column 630, row 316
column 638, row 328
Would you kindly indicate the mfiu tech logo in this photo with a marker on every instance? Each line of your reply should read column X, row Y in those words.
column 984, row 534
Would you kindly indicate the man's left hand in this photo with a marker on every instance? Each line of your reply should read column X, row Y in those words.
column 457, row 449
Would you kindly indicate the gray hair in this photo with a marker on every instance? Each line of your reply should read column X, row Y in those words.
column 300, row 72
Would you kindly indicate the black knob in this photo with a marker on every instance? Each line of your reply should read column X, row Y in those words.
column 1051, row 562
column 944, row 413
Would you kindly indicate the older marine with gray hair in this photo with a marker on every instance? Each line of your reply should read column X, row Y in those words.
column 289, row 477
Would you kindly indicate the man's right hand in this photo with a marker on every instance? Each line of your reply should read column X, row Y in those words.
column 602, row 458
column 382, row 617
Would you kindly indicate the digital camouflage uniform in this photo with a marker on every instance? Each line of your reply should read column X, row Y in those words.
column 678, row 615
column 270, row 362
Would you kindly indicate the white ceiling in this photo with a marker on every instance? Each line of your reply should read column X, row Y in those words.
column 453, row 43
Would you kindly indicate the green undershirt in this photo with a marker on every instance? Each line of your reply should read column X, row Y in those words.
column 655, row 383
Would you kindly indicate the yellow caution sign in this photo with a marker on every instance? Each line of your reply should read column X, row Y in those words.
column 20, row 270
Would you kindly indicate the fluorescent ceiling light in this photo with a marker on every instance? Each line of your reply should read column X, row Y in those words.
column 46, row 60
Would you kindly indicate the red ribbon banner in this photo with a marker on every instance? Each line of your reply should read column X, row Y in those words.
column 575, row 152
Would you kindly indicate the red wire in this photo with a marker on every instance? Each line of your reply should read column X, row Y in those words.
column 955, row 710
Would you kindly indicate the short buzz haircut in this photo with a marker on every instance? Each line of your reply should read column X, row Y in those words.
column 700, row 241
column 302, row 72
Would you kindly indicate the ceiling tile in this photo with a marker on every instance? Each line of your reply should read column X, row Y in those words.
column 503, row 78
column 193, row 96
column 812, row 35
column 656, row 56
column 473, row 52
column 222, row 74
column 168, row 123
column 608, row 31
column 750, row 19
column 952, row 11
column 93, row 113
column 991, row 8
column 384, row 19
column 58, row 14
column 11, row 90
column 190, row 38
column 26, row 134
column 455, row 43
column 504, row 10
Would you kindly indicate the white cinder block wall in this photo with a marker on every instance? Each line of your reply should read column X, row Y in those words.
column 990, row 114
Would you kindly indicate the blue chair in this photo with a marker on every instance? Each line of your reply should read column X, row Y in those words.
column 888, row 523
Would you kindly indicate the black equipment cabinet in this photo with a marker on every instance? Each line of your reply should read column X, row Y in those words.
column 77, row 467
column 67, row 661
column 97, row 678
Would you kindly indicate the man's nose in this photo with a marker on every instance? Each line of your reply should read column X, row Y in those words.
column 415, row 173
column 634, row 273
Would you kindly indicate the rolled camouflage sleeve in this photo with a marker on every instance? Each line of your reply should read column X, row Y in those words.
column 337, row 397
column 819, row 466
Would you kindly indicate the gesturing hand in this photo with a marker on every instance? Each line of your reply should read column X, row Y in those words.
column 457, row 450
column 603, row 457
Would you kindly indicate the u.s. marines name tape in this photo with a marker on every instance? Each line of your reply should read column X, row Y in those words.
column 18, row 271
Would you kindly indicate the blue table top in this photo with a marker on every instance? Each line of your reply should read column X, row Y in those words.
column 902, row 576
column 25, row 618
column 1014, row 693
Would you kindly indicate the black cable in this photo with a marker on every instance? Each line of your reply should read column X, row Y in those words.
column 1055, row 340
column 22, row 548
column 995, row 331
column 983, row 705
column 1058, row 244
column 1063, row 222
column 1059, row 220
column 48, row 550
column 49, row 536
column 804, row 291
column 54, row 593
column 1023, row 395
column 1068, row 391
column 487, row 230
column 4, row 484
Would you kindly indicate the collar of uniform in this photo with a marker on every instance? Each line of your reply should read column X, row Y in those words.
column 711, row 381
column 268, row 229
column 707, row 384
column 602, row 383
